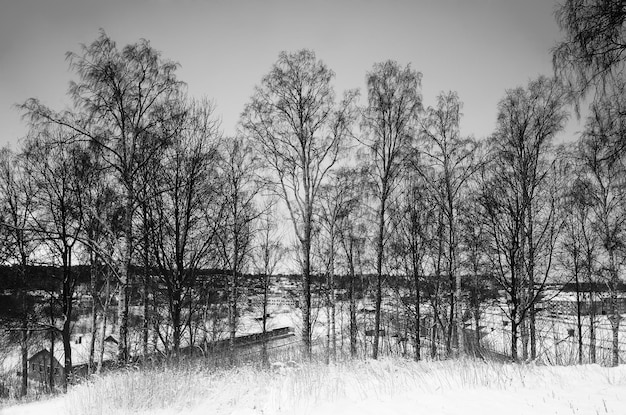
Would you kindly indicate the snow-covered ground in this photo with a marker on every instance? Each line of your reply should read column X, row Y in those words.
column 557, row 337
column 362, row 387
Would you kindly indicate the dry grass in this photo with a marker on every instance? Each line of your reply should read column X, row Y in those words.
column 192, row 388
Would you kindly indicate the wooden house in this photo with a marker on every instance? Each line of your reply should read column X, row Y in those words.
column 42, row 362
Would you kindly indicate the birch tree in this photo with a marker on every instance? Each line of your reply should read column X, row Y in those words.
column 605, row 172
column 119, row 100
column 594, row 43
column 451, row 157
column 579, row 250
column 352, row 237
column 59, row 172
column 184, row 185
column 241, row 186
column 299, row 128
column 18, row 204
column 394, row 102
column 415, row 213
column 268, row 254
column 338, row 205
column 519, row 202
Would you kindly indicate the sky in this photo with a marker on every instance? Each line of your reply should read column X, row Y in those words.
column 478, row 48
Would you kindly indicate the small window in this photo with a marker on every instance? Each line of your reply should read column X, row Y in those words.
column 40, row 368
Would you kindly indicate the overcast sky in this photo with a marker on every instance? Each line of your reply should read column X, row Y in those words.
column 477, row 48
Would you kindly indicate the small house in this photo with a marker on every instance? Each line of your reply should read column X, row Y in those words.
column 41, row 363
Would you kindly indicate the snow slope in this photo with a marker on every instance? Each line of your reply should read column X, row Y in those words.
column 362, row 387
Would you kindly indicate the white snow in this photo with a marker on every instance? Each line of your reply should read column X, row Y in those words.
column 363, row 387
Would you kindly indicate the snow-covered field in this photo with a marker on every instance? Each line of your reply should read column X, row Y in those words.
column 361, row 387
column 557, row 337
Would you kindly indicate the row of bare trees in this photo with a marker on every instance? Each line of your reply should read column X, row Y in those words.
column 136, row 181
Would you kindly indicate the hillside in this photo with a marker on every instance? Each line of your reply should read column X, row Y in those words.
column 362, row 387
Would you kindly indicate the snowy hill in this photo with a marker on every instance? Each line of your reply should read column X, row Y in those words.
column 361, row 387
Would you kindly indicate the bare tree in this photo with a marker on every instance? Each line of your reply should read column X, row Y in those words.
column 352, row 237
column 299, row 128
column 338, row 201
column 475, row 259
column 270, row 251
column 579, row 246
column 18, row 192
column 415, row 213
column 452, row 159
column 605, row 172
column 594, row 43
column 239, row 191
column 184, row 187
column 519, row 199
column 59, row 172
column 121, row 98
column 394, row 102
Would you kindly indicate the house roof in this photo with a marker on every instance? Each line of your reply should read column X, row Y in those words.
column 80, row 351
column 45, row 352
column 10, row 360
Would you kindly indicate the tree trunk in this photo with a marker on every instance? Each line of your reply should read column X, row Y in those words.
column 327, row 333
column 94, row 311
column 24, row 350
column 52, row 338
column 264, row 356
column 146, row 283
column 476, row 313
column 592, row 328
column 155, row 321
column 379, row 274
column 451, row 326
column 514, row 339
column 306, row 292
column 67, row 300
column 579, row 324
column 103, row 327
column 418, row 342
column 125, row 278
column 333, row 330
column 477, row 332
column 51, row 374
column 190, row 326
column 24, row 317
column 352, row 310
column 456, row 320
column 67, row 349
column 434, row 338
column 232, row 314
column 615, row 317
column 417, row 352
column 531, row 286
column 176, row 319
column 331, row 298
column 615, row 322
column 523, row 325
column 458, row 317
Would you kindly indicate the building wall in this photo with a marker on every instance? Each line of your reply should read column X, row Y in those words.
column 39, row 369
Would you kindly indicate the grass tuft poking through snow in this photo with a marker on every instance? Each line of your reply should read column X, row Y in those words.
column 359, row 387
